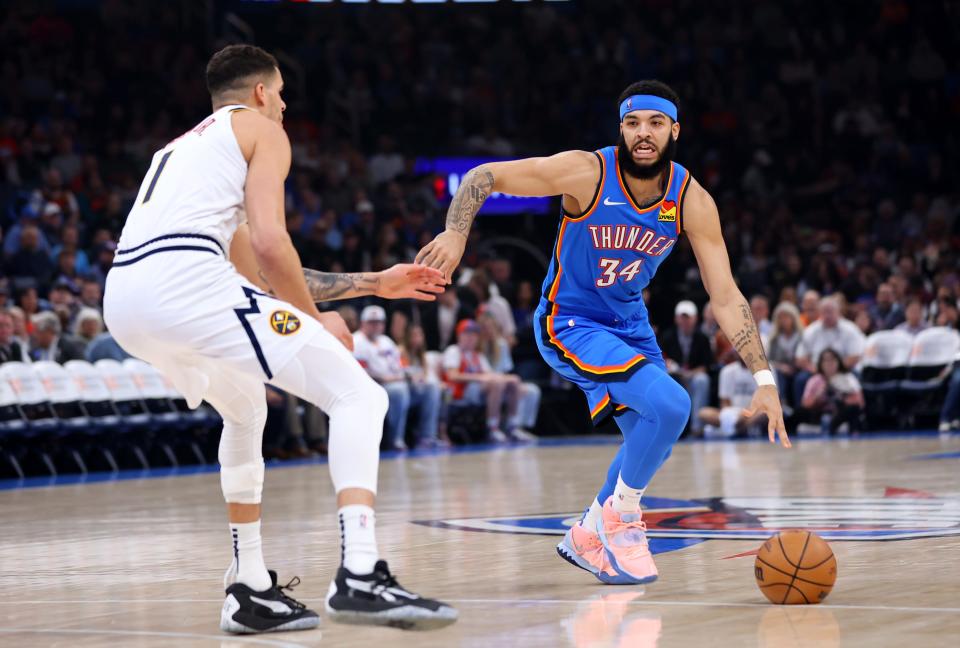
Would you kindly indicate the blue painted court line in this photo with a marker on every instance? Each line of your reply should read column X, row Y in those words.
column 161, row 473
column 548, row 442
column 939, row 455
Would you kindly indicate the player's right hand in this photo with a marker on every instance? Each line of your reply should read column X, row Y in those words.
column 332, row 321
column 444, row 253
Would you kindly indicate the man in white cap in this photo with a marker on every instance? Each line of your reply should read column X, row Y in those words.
column 687, row 353
column 380, row 356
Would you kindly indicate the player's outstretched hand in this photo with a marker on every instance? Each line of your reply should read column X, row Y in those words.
column 766, row 400
column 411, row 281
column 335, row 325
column 444, row 253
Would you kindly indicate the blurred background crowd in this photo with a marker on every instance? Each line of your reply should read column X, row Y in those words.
column 831, row 151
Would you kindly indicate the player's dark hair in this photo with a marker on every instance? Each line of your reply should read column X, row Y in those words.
column 650, row 87
column 232, row 65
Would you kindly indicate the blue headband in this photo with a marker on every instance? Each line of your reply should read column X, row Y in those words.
column 648, row 102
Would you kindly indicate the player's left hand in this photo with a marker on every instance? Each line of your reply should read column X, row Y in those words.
column 766, row 400
column 411, row 281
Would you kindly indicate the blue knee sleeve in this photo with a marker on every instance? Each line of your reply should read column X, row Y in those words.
column 612, row 473
column 626, row 420
column 662, row 407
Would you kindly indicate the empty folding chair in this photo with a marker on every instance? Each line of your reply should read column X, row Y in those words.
column 203, row 416
column 65, row 397
column 156, row 395
column 125, row 385
column 153, row 390
column 42, row 427
column 932, row 359
column 124, row 393
column 94, row 394
column 128, row 400
column 101, row 411
column 63, row 394
column 882, row 368
column 12, row 425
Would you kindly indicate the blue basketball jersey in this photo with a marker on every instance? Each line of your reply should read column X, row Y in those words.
column 604, row 258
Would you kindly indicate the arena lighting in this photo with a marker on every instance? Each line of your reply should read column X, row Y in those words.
column 448, row 173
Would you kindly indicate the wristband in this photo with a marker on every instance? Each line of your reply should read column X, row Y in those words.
column 764, row 377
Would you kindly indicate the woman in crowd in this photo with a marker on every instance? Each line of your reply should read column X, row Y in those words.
column 863, row 321
column 21, row 326
column 782, row 346
column 834, row 393
column 421, row 371
column 496, row 349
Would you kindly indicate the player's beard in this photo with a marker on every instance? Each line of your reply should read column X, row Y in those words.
column 646, row 171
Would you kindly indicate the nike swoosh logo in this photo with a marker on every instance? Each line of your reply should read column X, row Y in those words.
column 609, row 203
column 371, row 588
column 389, row 593
column 276, row 606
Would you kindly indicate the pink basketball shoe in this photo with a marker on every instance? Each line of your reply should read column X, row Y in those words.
column 624, row 538
column 582, row 548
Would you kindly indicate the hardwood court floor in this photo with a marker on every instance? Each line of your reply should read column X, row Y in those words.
column 138, row 562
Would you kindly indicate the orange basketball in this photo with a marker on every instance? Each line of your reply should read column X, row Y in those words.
column 795, row 567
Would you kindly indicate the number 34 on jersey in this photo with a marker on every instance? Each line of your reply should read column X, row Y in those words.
column 610, row 270
column 626, row 239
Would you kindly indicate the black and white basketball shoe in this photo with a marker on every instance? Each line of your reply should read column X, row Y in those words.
column 378, row 599
column 246, row 611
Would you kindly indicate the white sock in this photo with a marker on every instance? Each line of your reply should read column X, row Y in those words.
column 493, row 423
column 248, row 552
column 358, row 538
column 626, row 499
column 592, row 516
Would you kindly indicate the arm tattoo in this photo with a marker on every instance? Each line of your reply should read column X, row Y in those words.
column 747, row 342
column 477, row 186
column 327, row 286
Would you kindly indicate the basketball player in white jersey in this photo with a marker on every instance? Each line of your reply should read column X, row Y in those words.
column 207, row 287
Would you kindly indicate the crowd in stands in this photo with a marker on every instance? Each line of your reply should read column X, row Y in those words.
column 827, row 148
column 815, row 355
column 475, row 368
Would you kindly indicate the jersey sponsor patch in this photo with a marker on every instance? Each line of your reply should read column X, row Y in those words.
column 284, row 322
column 668, row 212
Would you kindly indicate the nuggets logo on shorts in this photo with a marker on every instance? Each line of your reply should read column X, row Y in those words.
column 668, row 212
column 284, row 322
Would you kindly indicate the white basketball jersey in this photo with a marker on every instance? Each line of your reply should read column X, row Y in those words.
column 194, row 186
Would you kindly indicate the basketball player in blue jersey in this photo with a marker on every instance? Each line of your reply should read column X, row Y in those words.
column 624, row 208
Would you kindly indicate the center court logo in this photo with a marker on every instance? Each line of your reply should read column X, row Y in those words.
column 674, row 524
column 284, row 322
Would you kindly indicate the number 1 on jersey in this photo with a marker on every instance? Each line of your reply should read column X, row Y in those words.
column 610, row 273
column 156, row 176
